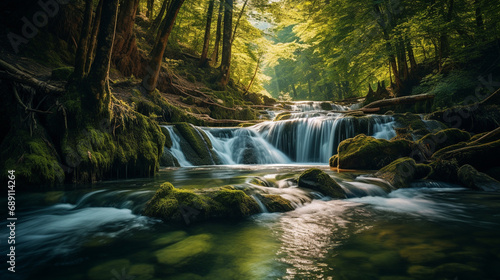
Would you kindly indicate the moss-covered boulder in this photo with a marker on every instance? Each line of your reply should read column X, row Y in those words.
column 471, row 178
column 473, row 118
column 482, row 156
column 168, row 137
column 444, row 170
column 334, row 161
column 275, row 203
column 318, row 180
column 196, row 145
column 433, row 142
column 401, row 172
column 413, row 123
column 168, row 160
column 171, row 204
column 366, row 152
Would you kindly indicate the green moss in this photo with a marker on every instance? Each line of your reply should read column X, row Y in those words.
column 444, row 170
column 471, row 178
column 183, row 252
column 168, row 139
column 104, row 271
column 422, row 253
column 401, row 172
column 443, row 138
column 32, row 157
column 482, row 156
column 365, row 152
column 172, row 204
column 318, row 180
column 197, row 146
column 276, row 203
column 170, row 238
column 62, row 73
column 412, row 122
column 142, row 271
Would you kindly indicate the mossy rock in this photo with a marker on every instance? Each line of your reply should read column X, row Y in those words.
column 196, row 145
column 334, row 161
column 318, row 180
column 386, row 260
column 171, row 204
column 413, row 122
column 168, row 160
column 422, row 254
column 473, row 118
column 444, row 170
column 471, row 178
column 366, row 152
column 33, row 157
column 171, row 237
column 401, row 172
column 433, row 142
column 105, row 270
column 142, row 271
column 327, row 106
column 168, row 138
column 185, row 251
column 62, row 73
column 276, row 203
column 481, row 156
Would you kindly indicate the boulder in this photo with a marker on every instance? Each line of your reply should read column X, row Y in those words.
column 182, row 252
column 473, row 118
column 366, row 152
column 196, row 145
column 171, row 204
column 276, row 203
column 433, row 142
column 318, row 180
column 168, row 160
column 481, row 156
column 444, row 170
column 401, row 172
column 471, row 178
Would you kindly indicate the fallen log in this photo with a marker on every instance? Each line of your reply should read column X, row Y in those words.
column 398, row 101
column 11, row 73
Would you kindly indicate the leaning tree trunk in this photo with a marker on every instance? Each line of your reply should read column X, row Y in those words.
column 93, row 36
column 156, row 23
column 126, row 56
column 150, row 81
column 218, row 34
column 206, row 40
column 82, row 50
column 99, row 96
column 225, row 66
column 149, row 12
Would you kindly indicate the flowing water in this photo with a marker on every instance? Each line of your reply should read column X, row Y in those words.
column 431, row 231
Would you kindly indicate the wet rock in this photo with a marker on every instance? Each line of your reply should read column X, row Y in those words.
column 433, row 142
column 283, row 116
column 142, row 271
column 481, row 156
column 171, row 204
column 168, row 160
column 444, row 170
column 386, row 260
column 401, row 172
column 422, row 254
column 171, row 237
column 318, row 180
column 196, row 145
column 276, row 203
column 183, row 252
column 471, row 178
column 366, row 152
column 105, row 270
column 473, row 118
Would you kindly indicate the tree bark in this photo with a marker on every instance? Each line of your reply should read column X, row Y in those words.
column 82, row 50
column 150, row 4
column 93, row 36
column 99, row 97
column 150, row 81
column 238, row 21
column 159, row 17
column 218, row 34
column 126, row 56
column 226, row 43
column 206, row 40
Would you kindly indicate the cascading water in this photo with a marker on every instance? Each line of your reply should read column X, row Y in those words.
column 310, row 135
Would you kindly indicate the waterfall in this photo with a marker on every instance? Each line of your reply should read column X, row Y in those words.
column 311, row 135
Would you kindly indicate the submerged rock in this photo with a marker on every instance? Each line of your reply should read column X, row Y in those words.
column 366, row 152
column 401, row 172
column 456, row 271
column 318, row 180
column 183, row 252
column 105, row 270
column 471, row 178
column 171, row 204
column 142, row 271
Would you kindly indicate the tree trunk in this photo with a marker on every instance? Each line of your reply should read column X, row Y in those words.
column 156, row 24
column 99, row 97
column 413, row 61
column 294, row 90
column 254, row 75
column 153, row 69
column 81, row 52
column 444, row 46
column 238, row 21
column 93, row 37
column 398, row 101
column 309, row 88
column 218, row 35
column 206, row 40
column 126, row 56
column 150, row 4
column 226, row 43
